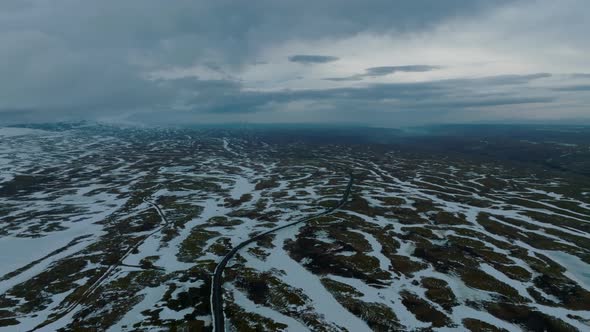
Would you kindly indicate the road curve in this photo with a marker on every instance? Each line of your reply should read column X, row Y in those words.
column 217, row 280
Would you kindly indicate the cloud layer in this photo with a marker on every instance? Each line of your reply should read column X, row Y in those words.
column 379, row 62
column 384, row 70
column 308, row 59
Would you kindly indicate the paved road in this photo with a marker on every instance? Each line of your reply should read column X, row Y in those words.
column 217, row 291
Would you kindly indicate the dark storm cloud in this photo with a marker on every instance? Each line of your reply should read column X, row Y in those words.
column 383, row 71
column 310, row 59
column 512, row 79
column 380, row 71
column 574, row 88
column 412, row 102
column 357, row 77
column 70, row 59
column 91, row 58
column 228, row 97
column 580, row 75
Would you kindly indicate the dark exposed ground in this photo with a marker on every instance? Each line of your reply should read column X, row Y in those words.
column 478, row 228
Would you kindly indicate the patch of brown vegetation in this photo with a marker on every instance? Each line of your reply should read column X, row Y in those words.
column 266, row 184
column 377, row 315
column 321, row 259
column 423, row 310
column 571, row 295
column 476, row 278
column 475, row 325
column 447, row 218
column 403, row 264
column 528, row 318
column 233, row 203
column 438, row 291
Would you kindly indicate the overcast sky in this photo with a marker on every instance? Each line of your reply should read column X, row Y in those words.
column 384, row 63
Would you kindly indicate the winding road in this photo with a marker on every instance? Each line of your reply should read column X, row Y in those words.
column 216, row 289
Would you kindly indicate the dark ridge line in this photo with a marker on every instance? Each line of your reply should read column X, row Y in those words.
column 217, row 280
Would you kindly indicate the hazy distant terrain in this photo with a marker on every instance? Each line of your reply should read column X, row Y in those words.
column 452, row 227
